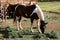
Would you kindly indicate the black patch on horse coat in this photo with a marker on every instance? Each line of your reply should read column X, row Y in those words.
column 10, row 10
column 42, row 26
column 24, row 11
column 34, row 16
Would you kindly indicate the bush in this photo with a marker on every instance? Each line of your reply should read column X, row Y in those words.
column 52, row 35
column 11, row 33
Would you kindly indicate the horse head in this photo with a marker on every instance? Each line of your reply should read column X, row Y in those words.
column 43, row 26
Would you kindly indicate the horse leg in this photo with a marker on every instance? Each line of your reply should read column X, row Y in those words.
column 17, row 23
column 38, row 25
column 5, row 18
column 5, row 15
column 31, row 25
column 20, row 27
column 2, row 13
column 14, row 21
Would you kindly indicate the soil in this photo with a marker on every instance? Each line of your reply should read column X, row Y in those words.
column 51, row 26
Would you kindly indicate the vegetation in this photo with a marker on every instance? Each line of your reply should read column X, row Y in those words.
column 50, row 6
column 10, row 33
column 24, row 34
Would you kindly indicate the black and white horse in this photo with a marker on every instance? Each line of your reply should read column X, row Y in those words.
column 32, row 12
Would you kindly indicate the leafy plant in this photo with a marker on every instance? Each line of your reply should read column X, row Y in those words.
column 52, row 35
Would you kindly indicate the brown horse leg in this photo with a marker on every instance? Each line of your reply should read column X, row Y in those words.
column 5, row 18
column 2, row 12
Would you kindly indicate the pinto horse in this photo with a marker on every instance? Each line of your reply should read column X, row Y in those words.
column 10, row 10
column 33, row 12
column 3, row 7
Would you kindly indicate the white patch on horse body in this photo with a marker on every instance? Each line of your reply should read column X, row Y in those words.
column 35, row 11
column 38, row 25
column 17, row 23
column 20, row 26
column 39, row 12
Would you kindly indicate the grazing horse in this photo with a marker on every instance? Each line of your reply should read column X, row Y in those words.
column 32, row 12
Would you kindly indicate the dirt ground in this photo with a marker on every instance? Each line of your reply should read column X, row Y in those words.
column 51, row 26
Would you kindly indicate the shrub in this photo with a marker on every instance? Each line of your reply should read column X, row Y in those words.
column 52, row 35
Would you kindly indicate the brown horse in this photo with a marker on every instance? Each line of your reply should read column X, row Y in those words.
column 32, row 12
column 10, row 10
column 3, row 7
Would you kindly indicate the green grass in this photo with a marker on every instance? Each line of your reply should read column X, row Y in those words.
column 53, row 19
column 26, row 34
column 50, row 6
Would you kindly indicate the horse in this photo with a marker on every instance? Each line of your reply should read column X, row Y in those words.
column 33, row 12
column 3, row 7
column 10, row 10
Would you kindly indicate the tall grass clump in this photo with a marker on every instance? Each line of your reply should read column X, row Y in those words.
column 11, row 33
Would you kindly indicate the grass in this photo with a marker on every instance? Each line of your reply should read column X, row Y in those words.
column 10, row 34
column 50, row 6
column 54, row 19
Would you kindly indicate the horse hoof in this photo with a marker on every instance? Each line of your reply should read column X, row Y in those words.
column 39, row 32
column 32, row 31
column 21, row 28
column 18, row 29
